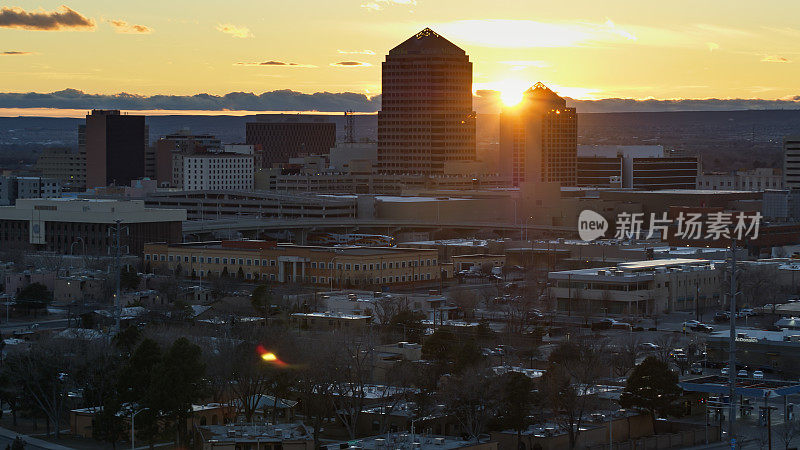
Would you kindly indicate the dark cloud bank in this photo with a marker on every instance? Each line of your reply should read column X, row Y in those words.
column 287, row 100
column 64, row 18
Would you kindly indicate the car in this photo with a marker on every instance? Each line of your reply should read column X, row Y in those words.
column 690, row 323
column 758, row 375
column 746, row 312
column 722, row 316
column 725, row 370
column 620, row 325
column 696, row 369
column 649, row 346
column 703, row 328
column 742, row 373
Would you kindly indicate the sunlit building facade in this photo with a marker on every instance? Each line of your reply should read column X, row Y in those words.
column 539, row 139
column 426, row 120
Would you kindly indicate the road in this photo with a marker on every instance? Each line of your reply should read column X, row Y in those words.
column 7, row 437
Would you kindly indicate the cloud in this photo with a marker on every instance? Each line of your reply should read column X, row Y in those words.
column 62, row 19
column 775, row 59
column 124, row 27
column 281, row 100
column 14, row 53
column 235, row 30
column 512, row 33
column 356, row 52
column 484, row 102
column 712, row 46
column 351, row 64
column 378, row 5
column 273, row 63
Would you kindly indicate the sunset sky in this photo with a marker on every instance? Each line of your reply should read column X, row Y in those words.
column 583, row 49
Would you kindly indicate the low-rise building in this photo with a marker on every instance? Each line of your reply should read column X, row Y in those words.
column 56, row 224
column 286, row 263
column 328, row 321
column 643, row 287
column 261, row 436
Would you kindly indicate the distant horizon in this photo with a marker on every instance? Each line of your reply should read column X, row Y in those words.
column 76, row 103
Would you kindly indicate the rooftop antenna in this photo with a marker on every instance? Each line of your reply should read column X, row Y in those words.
column 349, row 126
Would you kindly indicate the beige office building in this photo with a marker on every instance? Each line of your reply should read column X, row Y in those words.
column 289, row 263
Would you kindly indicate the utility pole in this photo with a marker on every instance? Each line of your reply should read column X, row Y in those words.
column 117, row 298
column 732, row 349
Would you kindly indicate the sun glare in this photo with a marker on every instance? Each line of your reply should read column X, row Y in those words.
column 511, row 90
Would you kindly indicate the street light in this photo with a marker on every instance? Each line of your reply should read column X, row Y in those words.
column 526, row 226
column 133, row 417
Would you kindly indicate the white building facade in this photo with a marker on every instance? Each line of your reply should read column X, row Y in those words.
column 218, row 171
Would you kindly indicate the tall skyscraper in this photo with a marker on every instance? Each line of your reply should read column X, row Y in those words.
column 791, row 162
column 278, row 137
column 116, row 147
column 426, row 118
column 539, row 139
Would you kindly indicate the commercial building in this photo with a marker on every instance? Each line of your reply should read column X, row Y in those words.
column 262, row 436
column 773, row 351
column 64, row 165
column 13, row 188
column 216, row 205
column 791, row 162
column 171, row 149
column 426, row 119
column 116, row 147
column 635, row 166
column 328, row 321
column 56, row 224
column 218, row 172
column 642, row 287
column 287, row 263
column 539, row 139
column 278, row 137
column 759, row 179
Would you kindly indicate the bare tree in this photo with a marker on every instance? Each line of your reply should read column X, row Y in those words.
column 471, row 398
column 568, row 383
column 624, row 358
column 466, row 299
column 351, row 376
column 787, row 431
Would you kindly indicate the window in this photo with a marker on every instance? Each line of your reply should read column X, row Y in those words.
column 224, row 260
column 171, row 258
column 194, row 258
column 355, row 267
column 163, row 257
column 339, row 266
column 155, row 257
column 241, row 261
column 216, row 260
column 272, row 276
column 186, row 259
column 271, row 262
column 347, row 267
column 384, row 265
column 249, row 262
column 313, row 279
column 264, row 262
column 147, row 257
column 248, row 276
column 255, row 262
column 313, row 265
column 404, row 264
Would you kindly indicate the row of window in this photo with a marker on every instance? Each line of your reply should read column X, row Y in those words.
column 272, row 262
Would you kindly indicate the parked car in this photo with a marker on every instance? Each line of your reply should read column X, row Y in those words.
column 722, row 316
column 703, row 328
column 696, row 369
column 746, row 312
column 649, row 346
column 725, row 370
column 742, row 373
column 758, row 375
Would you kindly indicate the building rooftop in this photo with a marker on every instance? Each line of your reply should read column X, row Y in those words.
column 427, row 42
column 404, row 441
column 638, row 268
column 261, row 433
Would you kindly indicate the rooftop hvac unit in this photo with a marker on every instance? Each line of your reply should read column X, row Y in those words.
column 438, row 441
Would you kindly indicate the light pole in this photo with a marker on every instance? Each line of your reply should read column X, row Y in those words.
column 133, row 417
column 526, row 226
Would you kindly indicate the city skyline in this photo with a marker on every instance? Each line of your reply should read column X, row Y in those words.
column 721, row 53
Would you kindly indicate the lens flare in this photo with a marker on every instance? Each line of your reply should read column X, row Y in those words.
column 269, row 357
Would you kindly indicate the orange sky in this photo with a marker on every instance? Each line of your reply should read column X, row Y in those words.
column 583, row 49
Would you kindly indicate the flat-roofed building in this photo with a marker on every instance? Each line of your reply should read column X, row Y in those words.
column 290, row 263
column 218, row 172
column 65, row 165
column 278, row 137
column 641, row 287
column 328, row 321
column 56, row 224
